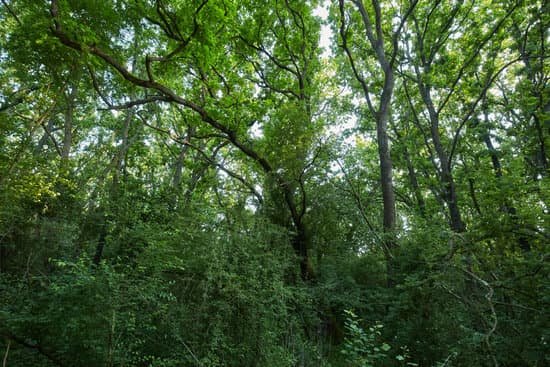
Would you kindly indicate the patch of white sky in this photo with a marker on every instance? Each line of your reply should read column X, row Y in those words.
column 326, row 35
column 326, row 38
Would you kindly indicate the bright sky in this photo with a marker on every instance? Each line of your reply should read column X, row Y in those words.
column 326, row 32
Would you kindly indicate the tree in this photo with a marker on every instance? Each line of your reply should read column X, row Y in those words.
column 196, row 183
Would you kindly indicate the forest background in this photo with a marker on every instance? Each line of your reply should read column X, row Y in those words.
column 201, row 183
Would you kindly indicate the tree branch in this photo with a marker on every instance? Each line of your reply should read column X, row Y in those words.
column 395, row 35
column 472, row 57
column 347, row 50
column 170, row 95
column 18, row 100
column 12, row 13
column 231, row 173
column 37, row 347
column 473, row 106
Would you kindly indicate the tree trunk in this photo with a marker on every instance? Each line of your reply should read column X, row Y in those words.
column 523, row 242
column 411, row 172
column 445, row 176
column 69, row 122
column 117, row 166
column 299, row 243
column 386, row 179
column 100, row 245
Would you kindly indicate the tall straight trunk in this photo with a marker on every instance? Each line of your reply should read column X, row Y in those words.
column 299, row 242
column 495, row 161
column 445, row 175
column 386, row 183
column 386, row 165
column 300, row 238
column 382, row 111
column 372, row 26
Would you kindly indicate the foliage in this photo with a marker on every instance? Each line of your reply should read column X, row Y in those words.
column 199, row 183
column 362, row 347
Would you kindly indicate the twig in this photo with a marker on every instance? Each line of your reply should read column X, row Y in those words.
column 5, row 360
column 362, row 211
column 191, row 352
column 488, row 297
column 236, row 176
column 49, row 355
column 12, row 13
